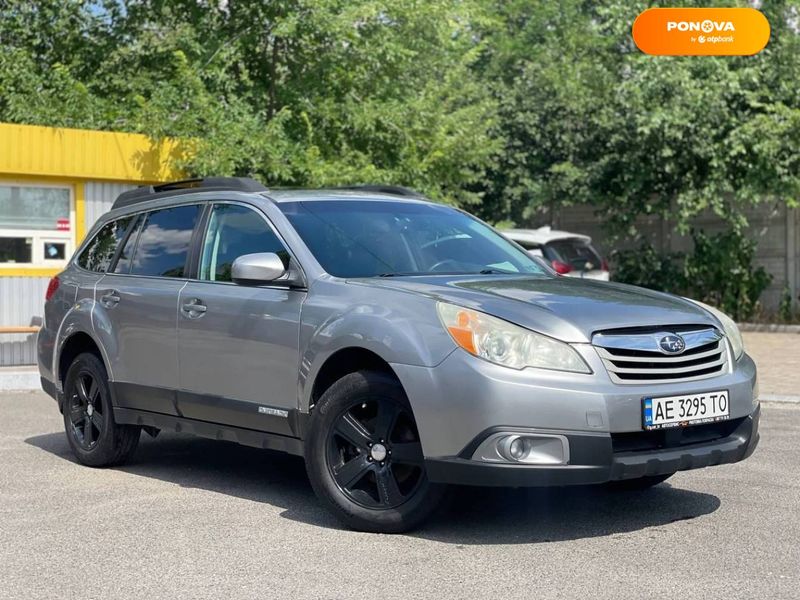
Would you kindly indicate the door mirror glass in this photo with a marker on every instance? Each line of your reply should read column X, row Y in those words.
column 257, row 268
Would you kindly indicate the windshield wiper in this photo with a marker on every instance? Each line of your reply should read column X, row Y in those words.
column 487, row 271
column 493, row 271
column 423, row 274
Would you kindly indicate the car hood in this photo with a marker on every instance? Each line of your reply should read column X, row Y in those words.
column 568, row 309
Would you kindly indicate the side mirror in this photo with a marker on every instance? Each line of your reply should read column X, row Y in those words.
column 257, row 268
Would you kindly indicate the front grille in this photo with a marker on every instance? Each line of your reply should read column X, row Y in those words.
column 674, row 437
column 635, row 358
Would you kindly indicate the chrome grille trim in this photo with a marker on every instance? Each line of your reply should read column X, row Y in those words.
column 621, row 357
column 648, row 342
column 671, row 369
column 706, row 355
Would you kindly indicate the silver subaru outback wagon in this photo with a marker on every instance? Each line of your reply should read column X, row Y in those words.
column 396, row 344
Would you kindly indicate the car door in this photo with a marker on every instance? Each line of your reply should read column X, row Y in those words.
column 238, row 345
column 137, row 305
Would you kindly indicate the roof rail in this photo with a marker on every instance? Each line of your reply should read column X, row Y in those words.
column 150, row 192
column 394, row 190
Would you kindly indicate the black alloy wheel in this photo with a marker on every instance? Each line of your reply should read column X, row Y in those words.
column 85, row 410
column 374, row 454
column 96, row 439
column 364, row 456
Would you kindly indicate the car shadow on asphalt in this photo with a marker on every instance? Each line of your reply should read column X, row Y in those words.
column 470, row 516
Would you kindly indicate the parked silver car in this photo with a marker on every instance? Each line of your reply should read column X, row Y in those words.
column 398, row 345
column 569, row 254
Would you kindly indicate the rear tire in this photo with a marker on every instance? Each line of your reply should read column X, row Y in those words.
column 640, row 483
column 95, row 438
column 364, row 457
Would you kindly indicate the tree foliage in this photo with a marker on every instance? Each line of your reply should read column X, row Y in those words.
column 587, row 118
column 298, row 92
column 720, row 271
column 516, row 108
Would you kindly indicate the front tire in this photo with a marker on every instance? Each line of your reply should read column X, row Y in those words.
column 95, row 438
column 364, row 457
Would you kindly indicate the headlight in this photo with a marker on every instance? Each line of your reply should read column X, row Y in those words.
column 728, row 326
column 505, row 344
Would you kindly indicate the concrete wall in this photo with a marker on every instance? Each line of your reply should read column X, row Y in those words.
column 774, row 227
column 22, row 298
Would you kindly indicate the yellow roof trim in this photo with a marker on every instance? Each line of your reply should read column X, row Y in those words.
column 29, row 271
column 31, row 150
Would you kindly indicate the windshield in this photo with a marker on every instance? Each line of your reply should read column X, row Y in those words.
column 381, row 238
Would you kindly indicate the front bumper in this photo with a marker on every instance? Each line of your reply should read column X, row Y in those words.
column 461, row 401
column 596, row 458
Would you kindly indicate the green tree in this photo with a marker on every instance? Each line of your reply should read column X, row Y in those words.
column 516, row 108
column 295, row 92
column 588, row 118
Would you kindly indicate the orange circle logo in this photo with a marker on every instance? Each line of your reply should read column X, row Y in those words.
column 701, row 31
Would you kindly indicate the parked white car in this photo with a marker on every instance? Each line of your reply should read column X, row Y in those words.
column 570, row 254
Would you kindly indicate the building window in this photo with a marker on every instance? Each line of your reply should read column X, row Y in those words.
column 36, row 225
column 16, row 250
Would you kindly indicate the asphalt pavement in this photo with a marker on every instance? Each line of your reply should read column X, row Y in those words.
column 194, row 518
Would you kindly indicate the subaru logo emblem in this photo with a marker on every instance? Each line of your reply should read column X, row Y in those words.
column 672, row 344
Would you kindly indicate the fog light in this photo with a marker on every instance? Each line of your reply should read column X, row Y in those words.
column 532, row 448
column 516, row 449
column 513, row 447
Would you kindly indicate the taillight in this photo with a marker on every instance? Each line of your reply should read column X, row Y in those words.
column 561, row 268
column 604, row 265
column 51, row 288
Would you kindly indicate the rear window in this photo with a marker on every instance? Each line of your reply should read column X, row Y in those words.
column 578, row 254
column 99, row 253
column 163, row 243
column 529, row 245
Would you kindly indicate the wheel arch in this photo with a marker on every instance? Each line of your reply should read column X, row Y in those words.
column 79, row 328
column 375, row 334
column 342, row 362
column 75, row 343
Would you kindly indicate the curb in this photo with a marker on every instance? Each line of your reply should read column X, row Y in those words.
column 777, row 398
column 769, row 327
column 19, row 381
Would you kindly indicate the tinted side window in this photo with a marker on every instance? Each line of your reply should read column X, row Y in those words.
column 99, row 253
column 234, row 231
column 164, row 242
column 124, row 260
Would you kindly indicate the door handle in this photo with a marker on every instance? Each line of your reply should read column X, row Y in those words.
column 111, row 299
column 194, row 308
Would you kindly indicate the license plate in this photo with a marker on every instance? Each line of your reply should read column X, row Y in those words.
column 681, row 411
